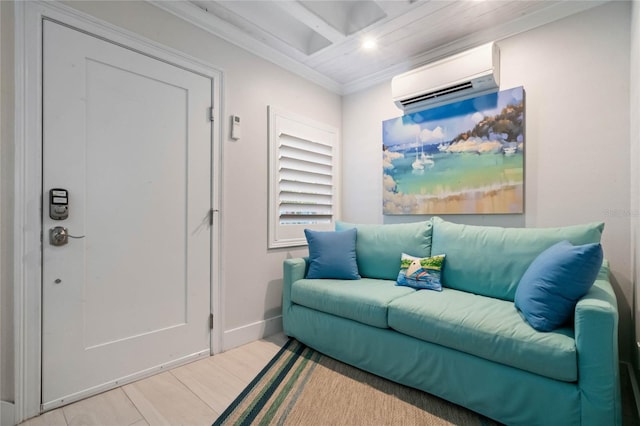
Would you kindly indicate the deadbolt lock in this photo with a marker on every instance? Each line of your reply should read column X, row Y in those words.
column 58, row 236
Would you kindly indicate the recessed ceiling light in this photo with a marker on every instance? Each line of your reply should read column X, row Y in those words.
column 369, row 44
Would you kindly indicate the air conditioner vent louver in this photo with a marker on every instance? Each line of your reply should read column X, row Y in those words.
column 462, row 76
column 439, row 93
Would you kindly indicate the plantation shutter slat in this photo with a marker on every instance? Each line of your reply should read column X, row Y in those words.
column 307, row 166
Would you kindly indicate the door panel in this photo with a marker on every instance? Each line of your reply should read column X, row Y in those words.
column 129, row 137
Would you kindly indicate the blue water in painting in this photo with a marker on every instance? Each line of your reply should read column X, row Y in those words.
column 451, row 173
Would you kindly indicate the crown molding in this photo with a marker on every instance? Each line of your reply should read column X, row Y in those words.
column 226, row 31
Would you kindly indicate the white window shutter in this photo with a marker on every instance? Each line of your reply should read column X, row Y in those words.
column 302, row 183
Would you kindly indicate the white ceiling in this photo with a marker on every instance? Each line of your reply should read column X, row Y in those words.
column 320, row 39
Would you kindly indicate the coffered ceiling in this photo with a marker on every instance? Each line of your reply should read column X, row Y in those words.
column 322, row 39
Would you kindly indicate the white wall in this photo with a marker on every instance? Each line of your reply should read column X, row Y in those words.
column 575, row 73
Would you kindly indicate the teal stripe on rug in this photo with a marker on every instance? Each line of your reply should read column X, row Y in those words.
column 230, row 409
column 249, row 416
column 287, row 388
column 316, row 357
column 261, row 402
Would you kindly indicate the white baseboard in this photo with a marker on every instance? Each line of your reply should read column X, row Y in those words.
column 251, row 332
column 7, row 415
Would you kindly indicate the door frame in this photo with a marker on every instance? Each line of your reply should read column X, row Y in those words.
column 28, row 180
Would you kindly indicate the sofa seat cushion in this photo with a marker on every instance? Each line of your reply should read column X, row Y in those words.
column 364, row 300
column 485, row 327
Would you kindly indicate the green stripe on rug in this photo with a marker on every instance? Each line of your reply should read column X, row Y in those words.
column 301, row 386
column 287, row 388
column 274, row 380
column 316, row 357
column 274, row 385
column 236, row 403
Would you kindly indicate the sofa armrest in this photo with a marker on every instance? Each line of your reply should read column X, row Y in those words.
column 293, row 270
column 596, row 335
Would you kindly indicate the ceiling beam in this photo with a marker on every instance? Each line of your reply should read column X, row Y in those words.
column 296, row 10
column 395, row 8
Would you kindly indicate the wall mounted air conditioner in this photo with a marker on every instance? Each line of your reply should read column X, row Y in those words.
column 458, row 77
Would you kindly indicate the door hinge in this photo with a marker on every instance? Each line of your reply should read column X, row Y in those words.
column 211, row 213
column 210, row 321
column 211, row 116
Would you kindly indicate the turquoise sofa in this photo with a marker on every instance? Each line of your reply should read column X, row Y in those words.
column 468, row 343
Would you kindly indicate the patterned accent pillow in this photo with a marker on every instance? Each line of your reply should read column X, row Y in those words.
column 421, row 272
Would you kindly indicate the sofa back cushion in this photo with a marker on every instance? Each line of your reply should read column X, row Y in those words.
column 490, row 260
column 379, row 248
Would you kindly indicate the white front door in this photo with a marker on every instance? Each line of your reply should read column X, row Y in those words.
column 127, row 138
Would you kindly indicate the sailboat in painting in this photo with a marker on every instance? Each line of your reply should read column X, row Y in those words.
column 422, row 160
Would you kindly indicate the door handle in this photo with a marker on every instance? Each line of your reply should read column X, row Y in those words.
column 59, row 236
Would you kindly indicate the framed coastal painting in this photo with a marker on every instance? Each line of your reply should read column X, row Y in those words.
column 462, row 158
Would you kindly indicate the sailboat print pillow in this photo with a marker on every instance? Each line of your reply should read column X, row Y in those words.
column 421, row 273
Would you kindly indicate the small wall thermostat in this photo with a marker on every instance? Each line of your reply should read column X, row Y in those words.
column 235, row 127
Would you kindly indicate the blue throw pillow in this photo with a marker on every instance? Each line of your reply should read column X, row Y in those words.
column 332, row 254
column 554, row 282
column 420, row 273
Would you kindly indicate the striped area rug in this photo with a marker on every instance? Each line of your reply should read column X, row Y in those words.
column 300, row 386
